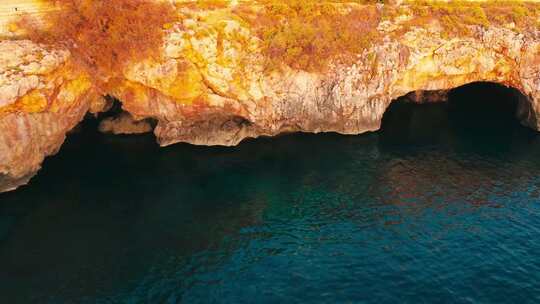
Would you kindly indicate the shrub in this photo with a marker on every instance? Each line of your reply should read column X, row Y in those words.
column 309, row 34
column 104, row 35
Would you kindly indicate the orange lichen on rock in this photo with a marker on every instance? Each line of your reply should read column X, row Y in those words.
column 103, row 36
column 67, row 86
column 33, row 102
column 179, row 80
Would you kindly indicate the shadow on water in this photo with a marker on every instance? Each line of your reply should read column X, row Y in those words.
column 478, row 116
column 116, row 219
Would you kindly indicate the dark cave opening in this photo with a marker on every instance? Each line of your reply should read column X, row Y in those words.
column 484, row 106
column 90, row 124
column 478, row 111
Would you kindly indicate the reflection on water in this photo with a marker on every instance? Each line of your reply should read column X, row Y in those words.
column 438, row 213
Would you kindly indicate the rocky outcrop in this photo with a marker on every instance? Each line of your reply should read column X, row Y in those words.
column 214, row 90
column 26, row 139
column 124, row 123
column 42, row 98
column 213, row 85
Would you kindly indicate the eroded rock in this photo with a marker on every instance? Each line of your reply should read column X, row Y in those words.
column 192, row 95
column 124, row 123
column 212, row 85
column 43, row 97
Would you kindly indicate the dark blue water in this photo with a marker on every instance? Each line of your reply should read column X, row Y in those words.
column 436, row 208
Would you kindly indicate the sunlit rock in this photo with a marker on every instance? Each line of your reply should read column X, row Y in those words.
column 243, row 69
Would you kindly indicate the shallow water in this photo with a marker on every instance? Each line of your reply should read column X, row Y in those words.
column 432, row 209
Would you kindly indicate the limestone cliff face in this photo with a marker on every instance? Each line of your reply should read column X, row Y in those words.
column 214, row 89
column 213, row 84
column 42, row 97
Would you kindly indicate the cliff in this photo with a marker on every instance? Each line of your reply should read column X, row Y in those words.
column 217, row 72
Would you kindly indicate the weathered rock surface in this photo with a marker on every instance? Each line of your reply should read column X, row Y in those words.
column 26, row 139
column 204, row 96
column 211, row 86
column 124, row 124
column 42, row 98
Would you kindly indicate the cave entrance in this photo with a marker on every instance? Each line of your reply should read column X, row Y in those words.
column 476, row 112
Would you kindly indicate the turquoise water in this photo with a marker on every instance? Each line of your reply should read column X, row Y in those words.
column 436, row 208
